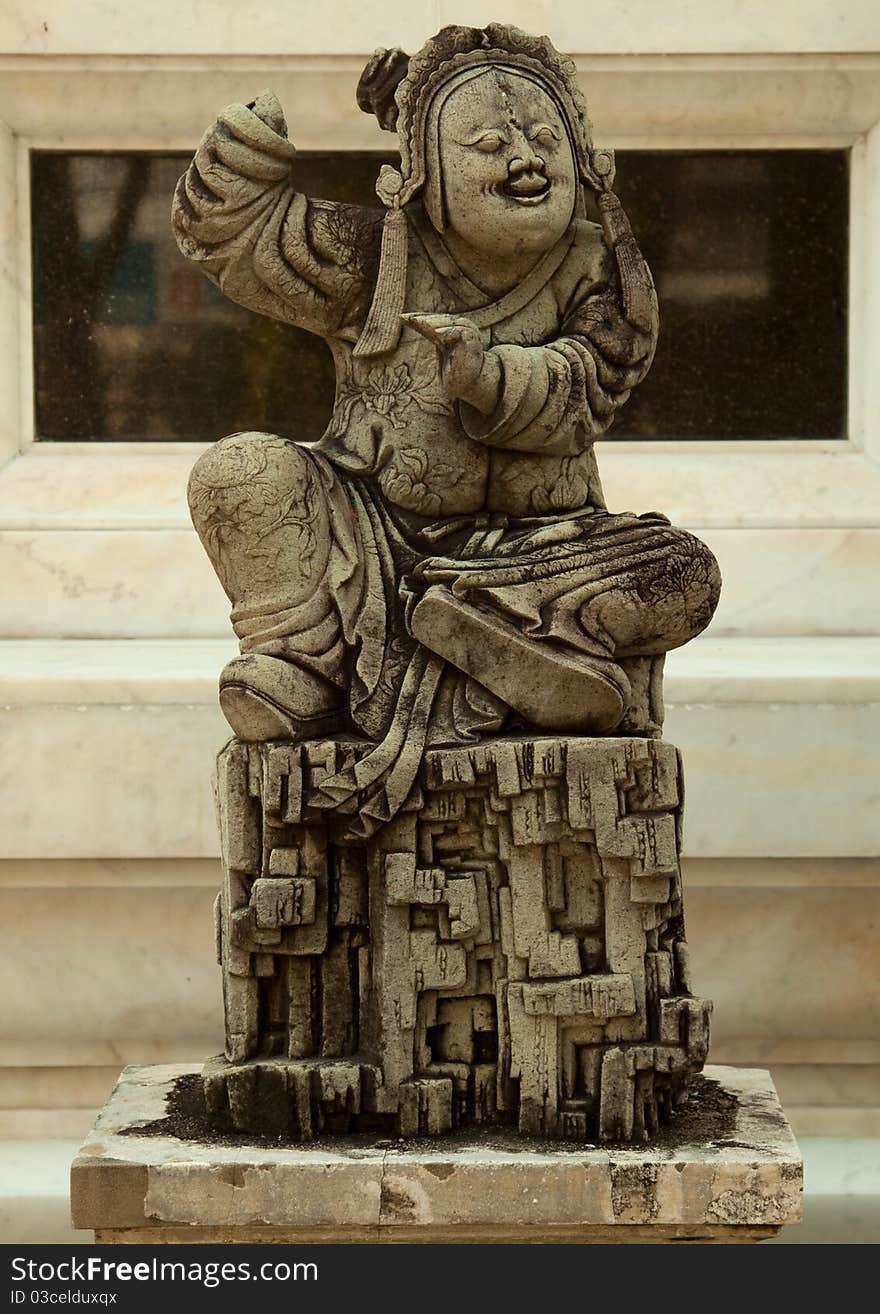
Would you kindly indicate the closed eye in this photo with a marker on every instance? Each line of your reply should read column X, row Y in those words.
column 488, row 142
column 544, row 134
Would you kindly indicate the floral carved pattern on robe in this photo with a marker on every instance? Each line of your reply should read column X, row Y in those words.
column 251, row 501
column 413, row 479
column 388, row 391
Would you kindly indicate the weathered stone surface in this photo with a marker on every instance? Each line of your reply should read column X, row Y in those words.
column 742, row 1184
column 508, row 949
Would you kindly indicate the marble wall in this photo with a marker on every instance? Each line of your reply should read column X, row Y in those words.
column 110, row 864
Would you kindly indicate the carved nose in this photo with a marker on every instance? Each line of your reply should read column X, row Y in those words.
column 526, row 163
column 526, row 176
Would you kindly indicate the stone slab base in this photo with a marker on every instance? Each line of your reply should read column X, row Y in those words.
column 653, row 1234
column 736, row 1179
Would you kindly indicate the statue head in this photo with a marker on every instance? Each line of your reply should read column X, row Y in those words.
column 493, row 134
column 494, row 138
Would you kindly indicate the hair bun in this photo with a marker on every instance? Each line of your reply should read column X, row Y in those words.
column 378, row 83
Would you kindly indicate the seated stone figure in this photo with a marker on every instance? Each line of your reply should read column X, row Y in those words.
column 441, row 564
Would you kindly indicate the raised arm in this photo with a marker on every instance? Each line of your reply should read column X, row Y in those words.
column 560, row 396
column 239, row 217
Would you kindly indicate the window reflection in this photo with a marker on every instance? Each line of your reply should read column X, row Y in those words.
column 749, row 251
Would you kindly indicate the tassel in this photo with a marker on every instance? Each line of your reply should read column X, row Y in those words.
column 382, row 329
column 639, row 298
column 636, row 284
column 381, row 332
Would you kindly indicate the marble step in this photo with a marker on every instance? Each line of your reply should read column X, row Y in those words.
column 108, row 745
column 138, row 579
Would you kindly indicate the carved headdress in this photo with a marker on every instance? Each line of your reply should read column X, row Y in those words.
column 404, row 94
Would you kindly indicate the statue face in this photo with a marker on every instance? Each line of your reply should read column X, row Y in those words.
column 508, row 173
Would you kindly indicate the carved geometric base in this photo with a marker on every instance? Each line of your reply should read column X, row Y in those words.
column 508, row 949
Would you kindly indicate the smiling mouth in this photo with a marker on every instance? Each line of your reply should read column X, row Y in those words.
column 526, row 188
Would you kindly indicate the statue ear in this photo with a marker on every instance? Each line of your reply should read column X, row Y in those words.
column 378, row 83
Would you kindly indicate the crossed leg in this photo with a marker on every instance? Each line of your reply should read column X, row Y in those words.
column 263, row 508
column 542, row 628
column 545, row 631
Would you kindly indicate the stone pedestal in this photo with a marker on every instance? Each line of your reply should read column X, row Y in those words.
column 726, row 1169
column 508, row 949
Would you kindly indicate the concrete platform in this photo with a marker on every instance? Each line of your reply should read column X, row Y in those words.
column 731, row 1176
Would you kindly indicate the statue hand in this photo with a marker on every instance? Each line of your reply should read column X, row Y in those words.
column 250, row 140
column 466, row 371
column 267, row 108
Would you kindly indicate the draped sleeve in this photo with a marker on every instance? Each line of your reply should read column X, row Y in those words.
column 238, row 215
column 557, row 398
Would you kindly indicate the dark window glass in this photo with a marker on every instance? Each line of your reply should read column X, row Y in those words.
column 748, row 249
column 750, row 255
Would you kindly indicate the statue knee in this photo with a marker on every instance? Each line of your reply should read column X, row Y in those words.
column 223, row 475
column 661, row 607
column 692, row 581
column 254, row 501
column 706, row 583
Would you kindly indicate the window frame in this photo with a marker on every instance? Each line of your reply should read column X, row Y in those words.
column 640, row 102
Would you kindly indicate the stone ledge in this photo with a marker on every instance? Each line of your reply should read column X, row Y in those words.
column 743, row 1186
column 163, row 672
column 770, row 726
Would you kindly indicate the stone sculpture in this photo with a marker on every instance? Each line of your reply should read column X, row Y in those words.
column 450, row 831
